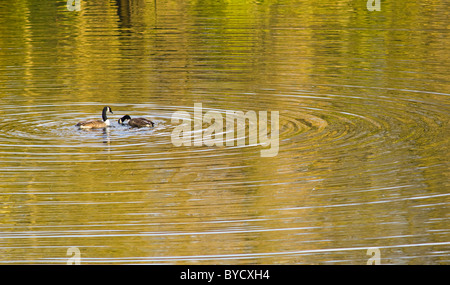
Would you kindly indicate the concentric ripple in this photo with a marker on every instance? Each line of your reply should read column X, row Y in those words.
column 328, row 142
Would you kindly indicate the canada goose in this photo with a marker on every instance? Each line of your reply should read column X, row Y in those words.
column 136, row 122
column 96, row 124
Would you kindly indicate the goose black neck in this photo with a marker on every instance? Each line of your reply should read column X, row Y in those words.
column 104, row 114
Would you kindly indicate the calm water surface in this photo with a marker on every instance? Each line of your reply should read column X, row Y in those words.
column 363, row 161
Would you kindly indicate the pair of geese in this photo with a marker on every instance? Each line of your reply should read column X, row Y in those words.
column 97, row 124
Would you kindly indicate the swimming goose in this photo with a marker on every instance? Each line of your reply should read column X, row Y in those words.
column 136, row 122
column 96, row 124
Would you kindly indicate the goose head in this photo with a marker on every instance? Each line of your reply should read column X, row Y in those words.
column 124, row 119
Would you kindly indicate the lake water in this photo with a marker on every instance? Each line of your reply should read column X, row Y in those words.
column 363, row 158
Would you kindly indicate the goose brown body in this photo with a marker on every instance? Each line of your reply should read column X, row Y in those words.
column 96, row 124
column 136, row 122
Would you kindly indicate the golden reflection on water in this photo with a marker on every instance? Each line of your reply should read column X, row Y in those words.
column 363, row 159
